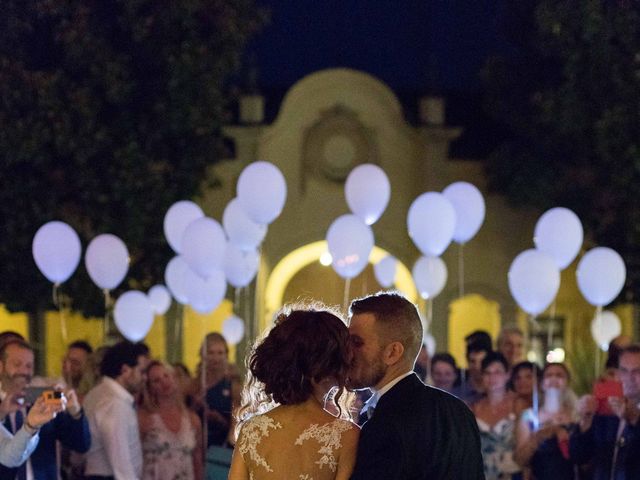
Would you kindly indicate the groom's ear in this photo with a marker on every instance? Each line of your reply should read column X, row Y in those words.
column 393, row 353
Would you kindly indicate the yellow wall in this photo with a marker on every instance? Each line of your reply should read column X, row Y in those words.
column 91, row 330
column 18, row 322
column 469, row 313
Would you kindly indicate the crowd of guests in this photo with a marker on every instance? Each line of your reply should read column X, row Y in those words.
column 532, row 425
column 121, row 414
column 126, row 415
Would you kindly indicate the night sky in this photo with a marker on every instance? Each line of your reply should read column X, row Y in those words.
column 410, row 45
column 413, row 46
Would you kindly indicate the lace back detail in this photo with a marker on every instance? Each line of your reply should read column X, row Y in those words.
column 253, row 432
column 330, row 438
column 273, row 449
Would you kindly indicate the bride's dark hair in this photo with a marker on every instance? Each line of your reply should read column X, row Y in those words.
column 308, row 342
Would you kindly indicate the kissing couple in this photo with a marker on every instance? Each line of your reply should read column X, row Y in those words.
column 296, row 419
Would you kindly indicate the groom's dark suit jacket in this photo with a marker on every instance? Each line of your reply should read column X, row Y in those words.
column 419, row 432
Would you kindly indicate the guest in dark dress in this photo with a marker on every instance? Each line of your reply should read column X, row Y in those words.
column 542, row 437
column 221, row 392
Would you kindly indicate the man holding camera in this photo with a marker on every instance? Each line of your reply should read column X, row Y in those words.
column 611, row 442
column 70, row 428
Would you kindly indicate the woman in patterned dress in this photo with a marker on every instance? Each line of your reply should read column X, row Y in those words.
column 496, row 417
column 297, row 376
column 170, row 432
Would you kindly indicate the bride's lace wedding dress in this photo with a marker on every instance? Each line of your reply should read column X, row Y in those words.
column 277, row 445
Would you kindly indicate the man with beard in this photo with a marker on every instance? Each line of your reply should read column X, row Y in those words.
column 414, row 431
column 74, row 363
column 115, row 438
column 70, row 428
column 610, row 443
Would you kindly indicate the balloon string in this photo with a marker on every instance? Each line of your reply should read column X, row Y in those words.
column 429, row 316
column 533, row 324
column 461, row 270
column 57, row 301
column 253, row 322
column 550, row 325
column 236, row 299
column 347, row 286
column 535, row 405
column 247, row 318
column 177, row 325
column 107, row 306
column 596, row 370
column 203, row 384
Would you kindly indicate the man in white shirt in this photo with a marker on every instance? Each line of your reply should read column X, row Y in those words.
column 115, row 451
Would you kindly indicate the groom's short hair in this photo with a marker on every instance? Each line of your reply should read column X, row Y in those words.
column 397, row 318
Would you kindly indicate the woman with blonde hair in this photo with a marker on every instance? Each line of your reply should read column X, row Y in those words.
column 170, row 432
column 286, row 429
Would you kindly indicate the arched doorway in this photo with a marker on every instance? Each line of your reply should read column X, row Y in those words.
column 300, row 275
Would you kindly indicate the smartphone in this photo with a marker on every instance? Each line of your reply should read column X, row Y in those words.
column 602, row 391
column 31, row 394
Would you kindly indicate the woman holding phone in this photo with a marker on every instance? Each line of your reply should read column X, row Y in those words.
column 542, row 437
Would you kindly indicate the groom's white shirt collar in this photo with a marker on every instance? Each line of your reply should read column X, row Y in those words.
column 373, row 401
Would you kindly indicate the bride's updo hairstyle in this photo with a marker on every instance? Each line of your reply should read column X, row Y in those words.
column 308, row 342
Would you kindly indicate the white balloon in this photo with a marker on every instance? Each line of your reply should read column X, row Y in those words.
column 133, row 315
column 385, row 271
column 205, row 294
column 601, row 275
column 559, row 234
column 203, row 246
column 367, row 190
column 534, row 280
column 233, row 330
column 605, row 328
column 430, row 276
column 174, row 278
column 160, row 299
column 107, row 261
column 431, row 221
column 240, row 267
column 350, row 242
column 56, row 250
column 241, row 230
column 262, row 191
column 177, row 219
column 470, row 209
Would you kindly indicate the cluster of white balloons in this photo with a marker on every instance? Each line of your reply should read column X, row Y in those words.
column 534, row 276
column 57, row 251
column 210, row 255
column 350, row 237
column 435, row 220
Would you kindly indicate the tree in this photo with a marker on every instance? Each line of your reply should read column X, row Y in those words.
column 110, row 111
column 570, row 99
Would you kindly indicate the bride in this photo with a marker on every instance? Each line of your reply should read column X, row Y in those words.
column 296, row 376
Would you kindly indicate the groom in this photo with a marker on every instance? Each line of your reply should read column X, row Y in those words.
column 414, row 432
